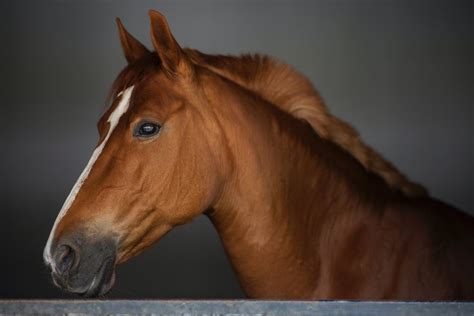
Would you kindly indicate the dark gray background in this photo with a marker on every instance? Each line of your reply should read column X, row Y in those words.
column 400, row 71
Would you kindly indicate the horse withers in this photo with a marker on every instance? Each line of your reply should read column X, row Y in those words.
column 304, row 209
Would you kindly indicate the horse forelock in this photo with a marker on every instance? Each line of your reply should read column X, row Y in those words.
column 134, row 73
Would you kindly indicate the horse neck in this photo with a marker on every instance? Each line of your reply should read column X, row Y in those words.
column 278, row 207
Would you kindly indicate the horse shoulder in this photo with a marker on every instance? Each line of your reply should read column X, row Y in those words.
column 438, row 251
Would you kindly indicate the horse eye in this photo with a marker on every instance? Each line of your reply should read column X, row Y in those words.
column 146, row 129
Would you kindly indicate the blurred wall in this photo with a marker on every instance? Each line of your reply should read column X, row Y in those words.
column 400, row 71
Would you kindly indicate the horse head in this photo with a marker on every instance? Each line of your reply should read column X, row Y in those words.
column 156, row 166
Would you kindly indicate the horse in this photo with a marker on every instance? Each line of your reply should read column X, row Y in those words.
column 303, row 207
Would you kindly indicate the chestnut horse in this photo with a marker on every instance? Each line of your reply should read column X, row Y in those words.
column 304, row 209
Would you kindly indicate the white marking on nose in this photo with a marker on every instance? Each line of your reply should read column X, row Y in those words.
column 113, row 120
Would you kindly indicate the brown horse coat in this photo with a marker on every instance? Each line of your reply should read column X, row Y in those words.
column 304, row 208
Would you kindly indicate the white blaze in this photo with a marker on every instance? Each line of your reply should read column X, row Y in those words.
column 113, row 120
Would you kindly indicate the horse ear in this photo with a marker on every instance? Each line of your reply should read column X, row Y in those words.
column 132, row 48
column 171, row 55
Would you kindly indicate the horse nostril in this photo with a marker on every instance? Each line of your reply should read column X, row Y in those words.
column 65, row 258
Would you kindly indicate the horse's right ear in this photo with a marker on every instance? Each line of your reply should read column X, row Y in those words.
column 132, row 48
column 172, row 56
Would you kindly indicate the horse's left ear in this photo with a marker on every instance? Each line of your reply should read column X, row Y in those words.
column 132, row 48
column 173, row 58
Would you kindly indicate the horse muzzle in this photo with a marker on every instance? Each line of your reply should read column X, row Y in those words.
column 84, row 266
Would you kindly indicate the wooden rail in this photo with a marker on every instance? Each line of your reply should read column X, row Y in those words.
column 234, row 307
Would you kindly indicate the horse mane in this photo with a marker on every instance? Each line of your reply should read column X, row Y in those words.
column 292, row 92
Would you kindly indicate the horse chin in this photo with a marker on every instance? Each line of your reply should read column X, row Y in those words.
column 103, row 280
